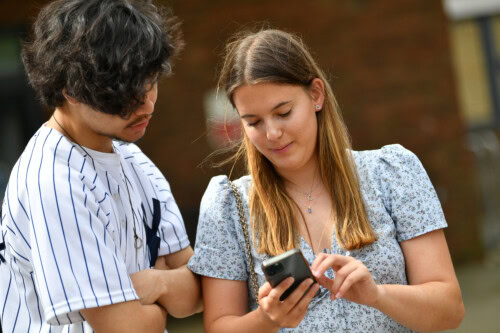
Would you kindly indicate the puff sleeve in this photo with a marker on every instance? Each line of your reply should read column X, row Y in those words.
column 409, row 195
column 218, row 249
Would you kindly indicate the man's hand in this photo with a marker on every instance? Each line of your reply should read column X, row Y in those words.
column 149, row 285
column 170, row 284
column 161, row 264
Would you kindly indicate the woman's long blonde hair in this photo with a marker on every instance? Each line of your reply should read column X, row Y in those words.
column 276, row 56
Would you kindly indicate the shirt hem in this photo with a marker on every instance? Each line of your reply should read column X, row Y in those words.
column 62, row 314
column 405, row 237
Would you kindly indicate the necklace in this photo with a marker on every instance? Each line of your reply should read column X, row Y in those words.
column 138, row 242
column 308, row 195
column 309, row 234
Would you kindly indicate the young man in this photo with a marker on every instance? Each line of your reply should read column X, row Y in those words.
column 86, row 214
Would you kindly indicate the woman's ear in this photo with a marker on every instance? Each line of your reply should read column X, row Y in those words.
column 70, row 99
column 317, row 92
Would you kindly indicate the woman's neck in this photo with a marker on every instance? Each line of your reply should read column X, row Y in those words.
column 303, row 179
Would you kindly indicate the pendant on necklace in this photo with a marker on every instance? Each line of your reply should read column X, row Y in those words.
column 310, row 199
column 309, row 209
column 137, row 242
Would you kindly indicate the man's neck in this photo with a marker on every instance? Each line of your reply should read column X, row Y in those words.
column 64, row 121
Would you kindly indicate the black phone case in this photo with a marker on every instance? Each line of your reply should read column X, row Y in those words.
column 291, row 263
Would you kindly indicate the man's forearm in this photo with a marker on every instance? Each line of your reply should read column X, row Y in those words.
column 126, row 317
column 182, row 296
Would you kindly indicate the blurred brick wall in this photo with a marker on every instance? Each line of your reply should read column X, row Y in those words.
column 390, row 67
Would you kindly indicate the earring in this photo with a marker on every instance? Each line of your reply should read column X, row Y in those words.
column 318, row 107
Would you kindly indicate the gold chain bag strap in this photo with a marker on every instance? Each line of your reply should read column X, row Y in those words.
column 244, row 226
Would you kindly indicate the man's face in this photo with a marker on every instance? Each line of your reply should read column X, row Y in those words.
column 115, row 127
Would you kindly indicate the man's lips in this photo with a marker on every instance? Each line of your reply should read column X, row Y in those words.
column 139, row 125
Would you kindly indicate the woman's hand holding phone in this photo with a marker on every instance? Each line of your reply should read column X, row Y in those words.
column 291, row 311
column 352, row 280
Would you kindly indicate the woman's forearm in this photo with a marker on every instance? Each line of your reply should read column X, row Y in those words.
column 182, row 296
column 430, row 306
column 252, row 322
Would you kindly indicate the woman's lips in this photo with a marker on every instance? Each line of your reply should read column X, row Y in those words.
column 281, row 149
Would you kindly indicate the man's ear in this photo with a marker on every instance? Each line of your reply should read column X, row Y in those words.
column 317, row 92
column 70, row 99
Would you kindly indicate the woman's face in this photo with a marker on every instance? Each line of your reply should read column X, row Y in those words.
column 280, row 121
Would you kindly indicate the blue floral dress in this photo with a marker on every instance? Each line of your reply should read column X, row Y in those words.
column 401, row 204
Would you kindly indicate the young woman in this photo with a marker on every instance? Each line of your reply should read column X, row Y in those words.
column 369, row 223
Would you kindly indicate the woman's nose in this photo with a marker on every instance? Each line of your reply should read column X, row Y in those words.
column 273, row 131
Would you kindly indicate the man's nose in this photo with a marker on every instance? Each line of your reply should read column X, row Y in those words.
column 149, row 103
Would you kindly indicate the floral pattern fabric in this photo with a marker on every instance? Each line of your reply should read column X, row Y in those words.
column 401, row 204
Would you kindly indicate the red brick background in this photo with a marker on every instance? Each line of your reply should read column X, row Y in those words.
column 389, row 63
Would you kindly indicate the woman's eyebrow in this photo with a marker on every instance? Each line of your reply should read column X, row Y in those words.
column 277, row 106
column 280, row 105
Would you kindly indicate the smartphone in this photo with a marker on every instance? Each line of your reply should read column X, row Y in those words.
column 291, row 263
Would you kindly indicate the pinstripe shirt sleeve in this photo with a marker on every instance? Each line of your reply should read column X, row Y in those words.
column 172, row 231
column 75, row 261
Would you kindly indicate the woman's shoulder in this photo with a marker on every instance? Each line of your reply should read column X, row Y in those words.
column 392, row 158
column 220, row 183
column 220, row 190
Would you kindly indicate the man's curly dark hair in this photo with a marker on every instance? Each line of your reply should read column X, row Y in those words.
column 103, row 53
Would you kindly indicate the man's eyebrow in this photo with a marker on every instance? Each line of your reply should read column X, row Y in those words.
column 277, row 106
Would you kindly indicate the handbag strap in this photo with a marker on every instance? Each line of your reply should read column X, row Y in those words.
column 244, row 226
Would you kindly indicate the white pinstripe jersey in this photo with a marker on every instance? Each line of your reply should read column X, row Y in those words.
column 68, row 228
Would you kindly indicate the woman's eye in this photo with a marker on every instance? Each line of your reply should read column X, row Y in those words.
column 283, row 115
column 253, row 124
